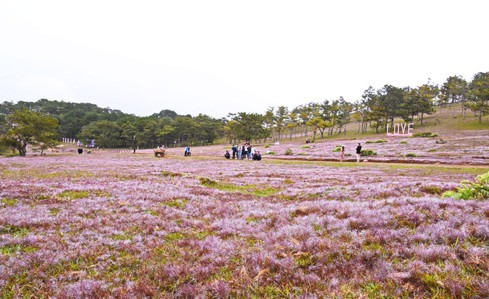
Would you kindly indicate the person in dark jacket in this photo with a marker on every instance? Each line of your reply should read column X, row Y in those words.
column 359, row 152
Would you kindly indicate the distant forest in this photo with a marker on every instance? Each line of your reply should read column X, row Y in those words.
column 111, row 128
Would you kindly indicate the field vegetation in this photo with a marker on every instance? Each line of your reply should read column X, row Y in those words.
column 123, row 225
column 411, row 220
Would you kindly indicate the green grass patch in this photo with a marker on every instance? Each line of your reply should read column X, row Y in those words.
column 9, row 202
column 68, row 195
column 174, row 237
column 171, row 174
column 54, row 211
column 475, row 125
column 177, row 203
column 376, row 141
column 16, row 248
column 256, row 190
column 122, row 237
column 303, row 260
column 15, row 231
column 425, row 135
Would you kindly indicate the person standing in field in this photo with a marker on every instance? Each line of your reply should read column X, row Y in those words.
column 342, row 153
column 359, row 151
column 239, row 152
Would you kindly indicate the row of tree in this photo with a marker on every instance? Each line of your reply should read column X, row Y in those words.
column 43, row 122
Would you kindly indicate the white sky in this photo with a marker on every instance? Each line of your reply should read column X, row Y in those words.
column 216, row 57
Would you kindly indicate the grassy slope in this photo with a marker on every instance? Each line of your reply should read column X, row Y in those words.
column 447, row 120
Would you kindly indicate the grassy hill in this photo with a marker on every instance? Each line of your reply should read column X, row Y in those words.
column 444, row 121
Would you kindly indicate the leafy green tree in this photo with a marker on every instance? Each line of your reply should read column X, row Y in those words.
column 208, row 131
column 230, row 128
column 305, row 114
column 292, row 123
column 343, row 114
column 359, row 115
column 107, row 134
column 391, row 99
column 479, row 94
column 165, row 113
column 187, row 129
column 427, row 93
column 26, row 127
column 250, row 126
column 317, row 123
column 280, row 119
column 375, row 111
column 167, row 133
column 454, row 90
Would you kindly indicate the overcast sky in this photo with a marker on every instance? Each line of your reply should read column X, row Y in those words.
column 216, row 57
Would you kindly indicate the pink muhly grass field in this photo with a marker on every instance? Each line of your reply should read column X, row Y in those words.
column 111, row 225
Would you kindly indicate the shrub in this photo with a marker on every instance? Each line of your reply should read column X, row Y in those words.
column 270, row 153
column 403, row 142
column 440, row 141
column 367, row 152
column 207, row 182
column 377, row 141
column 472, row 190
column 337, row 149
column 425, row 134
column 410, row 155
column 305, row 146
column 170, row 174
column 288, row 152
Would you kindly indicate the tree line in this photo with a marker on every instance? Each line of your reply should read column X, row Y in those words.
column 45, row 122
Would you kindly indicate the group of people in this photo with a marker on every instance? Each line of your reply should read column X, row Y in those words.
column 247, row 151
column 244, row 151
column 358, row 152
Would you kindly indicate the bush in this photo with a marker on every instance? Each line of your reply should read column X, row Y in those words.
column 207, row 182
column 337, row 149
column 403, row 142
column 366, row 153
column 425, row 134
column 472, row 190
column 270, row 153
column 288, row 152
column 411, row 155
column 377, row 141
